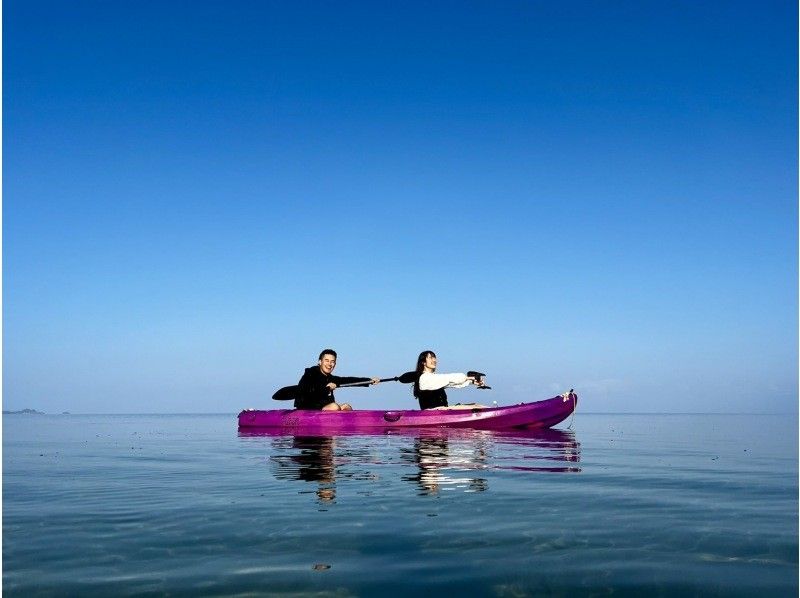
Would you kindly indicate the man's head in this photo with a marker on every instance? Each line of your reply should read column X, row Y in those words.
column 327, row 361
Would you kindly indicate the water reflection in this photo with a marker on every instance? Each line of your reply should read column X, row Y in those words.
column 311, row 460
column 437, row 463
column 548, row 450
column 433, row 460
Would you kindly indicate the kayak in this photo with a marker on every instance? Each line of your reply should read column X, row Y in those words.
column 540, row 414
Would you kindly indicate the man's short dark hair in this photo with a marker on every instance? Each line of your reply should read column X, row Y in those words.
column 328, row 352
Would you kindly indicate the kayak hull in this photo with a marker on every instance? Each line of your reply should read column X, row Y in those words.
column 540, row 414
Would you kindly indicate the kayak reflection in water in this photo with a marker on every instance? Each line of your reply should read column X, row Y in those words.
column 318, row 383
column 429, row 386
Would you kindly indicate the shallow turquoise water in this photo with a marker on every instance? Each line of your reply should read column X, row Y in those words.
column 184, row 505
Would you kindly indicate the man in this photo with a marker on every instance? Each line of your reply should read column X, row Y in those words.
column 318, row 382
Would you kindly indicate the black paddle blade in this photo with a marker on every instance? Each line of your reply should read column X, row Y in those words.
column 287, row 393
column 408, row 377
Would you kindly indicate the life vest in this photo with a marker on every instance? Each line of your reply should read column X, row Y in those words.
column 431, row 398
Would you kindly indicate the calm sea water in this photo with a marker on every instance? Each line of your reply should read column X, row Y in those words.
column 656, row 505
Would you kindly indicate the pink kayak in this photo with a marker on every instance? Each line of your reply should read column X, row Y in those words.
column 541, row 414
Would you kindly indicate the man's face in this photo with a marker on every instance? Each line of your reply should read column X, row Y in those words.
column 327, row 363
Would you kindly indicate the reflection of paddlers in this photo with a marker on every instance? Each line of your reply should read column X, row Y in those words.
column 313, row 463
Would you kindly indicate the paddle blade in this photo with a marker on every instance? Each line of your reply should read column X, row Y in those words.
column 408, row 377
column 287, row 393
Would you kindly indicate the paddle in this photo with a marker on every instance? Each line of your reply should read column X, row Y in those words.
column 289, row 393
column 478, row 378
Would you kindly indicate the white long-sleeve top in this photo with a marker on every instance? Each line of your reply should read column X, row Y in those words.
column 428, row 381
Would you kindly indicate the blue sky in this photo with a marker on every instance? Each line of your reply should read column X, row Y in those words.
column 199, row 196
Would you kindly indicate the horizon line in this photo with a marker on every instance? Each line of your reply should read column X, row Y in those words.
column 10, row 412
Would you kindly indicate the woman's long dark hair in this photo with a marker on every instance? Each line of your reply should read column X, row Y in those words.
column 421, row 368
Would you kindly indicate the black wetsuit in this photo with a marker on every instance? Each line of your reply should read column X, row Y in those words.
column 313, row 388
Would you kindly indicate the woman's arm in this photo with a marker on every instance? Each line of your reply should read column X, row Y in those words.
column 428, row 381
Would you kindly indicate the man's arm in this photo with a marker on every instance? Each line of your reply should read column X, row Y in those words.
column 339, row 380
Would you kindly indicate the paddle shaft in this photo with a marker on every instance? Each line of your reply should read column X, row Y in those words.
column 289, row 393
column 395, row 379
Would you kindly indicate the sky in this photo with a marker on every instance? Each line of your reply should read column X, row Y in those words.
column 200, row 196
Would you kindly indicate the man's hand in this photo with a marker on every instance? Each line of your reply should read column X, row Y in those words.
column 374, row 381
column 330, row 386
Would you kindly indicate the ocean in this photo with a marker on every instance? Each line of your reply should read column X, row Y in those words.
column 185, row 505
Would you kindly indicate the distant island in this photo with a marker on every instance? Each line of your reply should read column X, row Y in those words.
column 23, row 411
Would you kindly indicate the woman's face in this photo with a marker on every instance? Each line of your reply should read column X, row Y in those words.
column 430, row 362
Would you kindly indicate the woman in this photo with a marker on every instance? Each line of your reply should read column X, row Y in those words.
column 429, row 386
